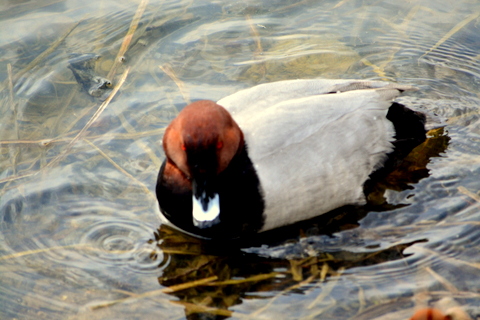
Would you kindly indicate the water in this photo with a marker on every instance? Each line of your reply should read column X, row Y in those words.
column 78, row 216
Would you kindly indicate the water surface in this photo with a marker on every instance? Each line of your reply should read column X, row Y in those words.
column 80, row 234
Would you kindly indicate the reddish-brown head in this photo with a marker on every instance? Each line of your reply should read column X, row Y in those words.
column 203, row 129
column 202, row 141
column 429, row 314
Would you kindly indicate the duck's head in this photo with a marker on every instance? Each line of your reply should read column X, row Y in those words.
column 201, row 141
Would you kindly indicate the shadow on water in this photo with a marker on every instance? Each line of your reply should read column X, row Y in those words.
column 208, row 278
column 208, row 283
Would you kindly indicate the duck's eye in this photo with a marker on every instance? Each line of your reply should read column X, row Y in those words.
column 219, row 144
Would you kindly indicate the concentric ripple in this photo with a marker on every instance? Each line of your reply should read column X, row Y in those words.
column 119, row 242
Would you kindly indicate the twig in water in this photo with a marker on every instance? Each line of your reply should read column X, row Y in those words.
column 469, row 193
column 327, row 288
column 181, row 86
column 447, row 284
column 97, row 114
column 26, row 253
column 454, row 30
column 195, row 308
column 119, row 168
column 170, row 289
column 255, row 314
column 128, row 38
column 15, row 117
column 45, row 53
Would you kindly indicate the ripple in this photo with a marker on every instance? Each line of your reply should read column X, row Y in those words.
column 111, row 241
column 118, row 242
column 73, row 230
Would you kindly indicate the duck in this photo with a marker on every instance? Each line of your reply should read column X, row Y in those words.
column 279, row 153
column 430, row 314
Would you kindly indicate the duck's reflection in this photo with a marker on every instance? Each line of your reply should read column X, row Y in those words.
column 207, row 285
column 209, row 278
column 410, row 170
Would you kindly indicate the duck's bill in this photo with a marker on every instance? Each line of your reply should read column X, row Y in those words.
column 206, row 210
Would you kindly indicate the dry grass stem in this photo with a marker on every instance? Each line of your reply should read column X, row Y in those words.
column 315, row 315
column 119, row 168
column 362, row 301
column 189, row 285
column 156, row 160
column 324, row 271
column 181, row 86
column 15, row 117
column 130, row 129
column 259, row 49
column 409, row 17
column 296, row 270
column 340, row 3
column 12, row 101
column 45, row 53
column 378, row 70
column 462, row 223
column 153, row 293
column 447, row 284
column 469, row 193
column 195, row 308
column 293, row 5
column 255, row 314
column 455, row 119
column 446, row 258
column 82, row 113
column 106, row 136
column 256, row 278
column 460, row 295
column 454, row 30
column 30, row 252
column 128, row 38
column 17, row 177
column 95, row 116
column 255, row 35
column 326, row 289
column 66, row 105
column 402, row 27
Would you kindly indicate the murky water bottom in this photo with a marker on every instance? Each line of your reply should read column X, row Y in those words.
column 80, row 235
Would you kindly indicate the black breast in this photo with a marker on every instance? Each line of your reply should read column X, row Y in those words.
column 241, row 201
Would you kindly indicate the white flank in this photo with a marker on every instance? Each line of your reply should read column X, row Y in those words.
column 212, row 212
